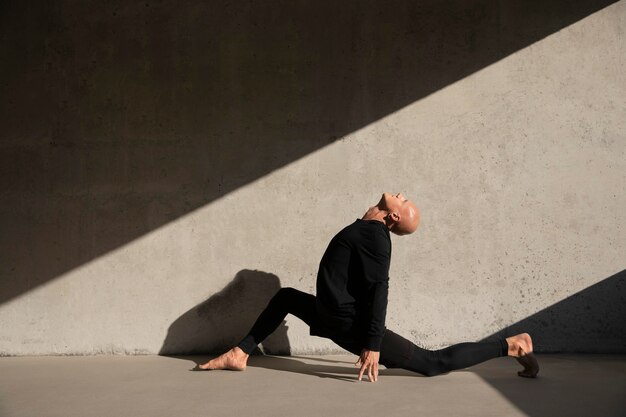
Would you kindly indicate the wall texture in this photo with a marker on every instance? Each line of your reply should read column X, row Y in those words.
column 166, row 166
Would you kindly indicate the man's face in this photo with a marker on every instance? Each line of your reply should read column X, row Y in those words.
column 392, row 202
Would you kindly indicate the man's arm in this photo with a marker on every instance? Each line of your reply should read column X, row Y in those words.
column 378, row 312
column 376, row 275
column 370, row 355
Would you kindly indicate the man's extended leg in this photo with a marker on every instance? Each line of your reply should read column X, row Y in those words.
column 287, row 300
column 398, row 352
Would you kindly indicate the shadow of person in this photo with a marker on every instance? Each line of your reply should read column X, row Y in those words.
column 288, row 364
column 220, row 322
column 307, row 366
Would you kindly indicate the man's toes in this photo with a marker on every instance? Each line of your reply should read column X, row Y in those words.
column 210, row 364
column 531, row 367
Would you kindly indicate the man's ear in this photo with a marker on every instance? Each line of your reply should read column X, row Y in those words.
column 394, row 216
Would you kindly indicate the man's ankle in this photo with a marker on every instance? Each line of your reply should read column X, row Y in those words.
column 239, row 352
column 513, row 346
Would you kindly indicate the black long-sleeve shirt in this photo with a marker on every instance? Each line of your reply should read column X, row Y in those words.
column 353, row 284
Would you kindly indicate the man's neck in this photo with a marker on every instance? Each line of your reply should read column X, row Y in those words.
column 374, row 213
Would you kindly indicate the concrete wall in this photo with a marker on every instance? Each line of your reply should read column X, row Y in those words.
column 165, row 167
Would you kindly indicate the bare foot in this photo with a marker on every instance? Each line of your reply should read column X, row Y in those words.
column 235, row 360
column 521, row 348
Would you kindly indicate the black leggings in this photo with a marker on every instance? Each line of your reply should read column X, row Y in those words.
column 395, row 350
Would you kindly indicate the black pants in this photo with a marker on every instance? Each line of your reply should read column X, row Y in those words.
column 395, row 350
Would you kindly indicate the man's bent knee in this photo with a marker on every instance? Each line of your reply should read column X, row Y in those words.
column 286, row 293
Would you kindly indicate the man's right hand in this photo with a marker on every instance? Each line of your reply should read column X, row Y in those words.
column 369, row 360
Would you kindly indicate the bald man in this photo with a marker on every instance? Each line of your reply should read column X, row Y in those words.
column 351, row 304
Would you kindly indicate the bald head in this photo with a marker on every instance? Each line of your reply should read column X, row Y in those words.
column 409, row 218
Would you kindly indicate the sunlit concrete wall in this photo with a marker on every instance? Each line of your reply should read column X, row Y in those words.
column 519, row 169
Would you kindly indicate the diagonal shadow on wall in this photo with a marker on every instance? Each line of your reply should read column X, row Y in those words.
column 590, row 321
column 118, row 118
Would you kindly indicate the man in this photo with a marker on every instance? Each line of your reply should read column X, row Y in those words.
column 351, row 304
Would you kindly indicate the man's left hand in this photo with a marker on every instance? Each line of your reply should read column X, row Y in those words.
column 369, row 360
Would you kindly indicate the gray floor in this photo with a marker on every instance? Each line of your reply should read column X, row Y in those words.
column 569, row 385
